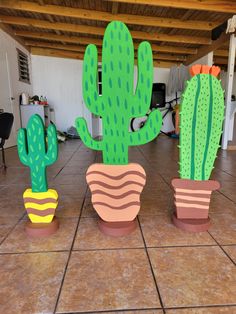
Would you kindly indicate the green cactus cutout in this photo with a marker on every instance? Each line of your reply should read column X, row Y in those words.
column 34, row 153
column 202, row 115
column 118, row 102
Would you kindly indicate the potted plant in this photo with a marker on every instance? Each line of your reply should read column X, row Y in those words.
column 202, row 115
column 116, row 185
column 40, row 202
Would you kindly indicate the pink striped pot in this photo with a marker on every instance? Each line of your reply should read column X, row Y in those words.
column 192, row 200
column 116, row 193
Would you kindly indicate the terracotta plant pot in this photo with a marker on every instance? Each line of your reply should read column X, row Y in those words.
column 116, row 193
column 41, row 208
column 192, row 200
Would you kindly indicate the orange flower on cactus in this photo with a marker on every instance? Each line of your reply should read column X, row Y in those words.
column 204, row 69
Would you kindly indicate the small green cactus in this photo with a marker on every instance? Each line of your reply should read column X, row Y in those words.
column 202, row 115
column 34, row 153
column 118, row 102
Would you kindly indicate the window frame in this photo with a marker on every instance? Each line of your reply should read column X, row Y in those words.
column 25, row 57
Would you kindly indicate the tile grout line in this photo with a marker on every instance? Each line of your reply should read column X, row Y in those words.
column 220, row 246
column 68, row 160
column 71, row 248
column 117, row 249
column 201, row 306
column 221, row 193
column 150, row 247
column 150, row 265
column 68, row 260
column 113, row 311
column 154, row 308
column 33, row 252
column 12, row 229
column 151, row 167
column 146, row 250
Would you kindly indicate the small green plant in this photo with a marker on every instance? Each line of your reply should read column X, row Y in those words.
column 202, row 115
column 34, row 153
column 118, row 102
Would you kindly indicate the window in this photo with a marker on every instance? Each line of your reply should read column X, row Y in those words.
column 23, row 66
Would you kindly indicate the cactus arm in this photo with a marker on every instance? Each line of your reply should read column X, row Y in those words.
column 52, row 147
column 22, row 147
column 81, row 126
column 143, row 92
column 150, row 130
column 90, row 88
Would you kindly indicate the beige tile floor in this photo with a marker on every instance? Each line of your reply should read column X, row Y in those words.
column 156, row 269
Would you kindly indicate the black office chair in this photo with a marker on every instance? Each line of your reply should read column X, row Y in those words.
column 6, row 122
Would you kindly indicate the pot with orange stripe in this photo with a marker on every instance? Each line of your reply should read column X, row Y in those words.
column 116, row 190
column 192, row 198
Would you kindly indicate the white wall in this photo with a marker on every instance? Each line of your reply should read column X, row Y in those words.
column 8, row 45
column 207, row 59
column 60, row 80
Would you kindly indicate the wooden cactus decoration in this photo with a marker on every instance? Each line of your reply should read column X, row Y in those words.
column 118, row 103
column 202, row 114
column 34, row 153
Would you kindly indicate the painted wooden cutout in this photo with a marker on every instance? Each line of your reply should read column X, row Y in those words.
column 40, row 202
column 202, row 114
column 116, row 185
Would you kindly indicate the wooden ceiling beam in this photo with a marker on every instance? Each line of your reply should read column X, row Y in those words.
column 65, row 38
column 168, row 57
column 155, row 48
column 204, row 50
column 220, row 61
column 164, row 64
column 56, row 53
column 45, row 44
column 223, row 6
column 115, row 8
column 48, row 16
column 92, row 30
column 76, row 55
column 107, row 16
column 81, row 49
column 221, row 53
column 172, row 49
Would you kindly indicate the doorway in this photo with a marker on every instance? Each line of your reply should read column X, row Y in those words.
column 6, row 94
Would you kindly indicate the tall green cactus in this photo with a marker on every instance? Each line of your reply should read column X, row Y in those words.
column 118, row 103
column 34, row 153
column 202, row 114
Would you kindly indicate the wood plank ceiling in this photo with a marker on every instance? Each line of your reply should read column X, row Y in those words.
column 177, row 29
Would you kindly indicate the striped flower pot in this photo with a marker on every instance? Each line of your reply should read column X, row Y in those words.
column 40, row 206
column 116, row 192
column 192, row 200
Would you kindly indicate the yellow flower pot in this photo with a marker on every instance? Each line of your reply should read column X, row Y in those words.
column 40, row 206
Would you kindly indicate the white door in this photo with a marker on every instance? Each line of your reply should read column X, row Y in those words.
column 6, row 95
